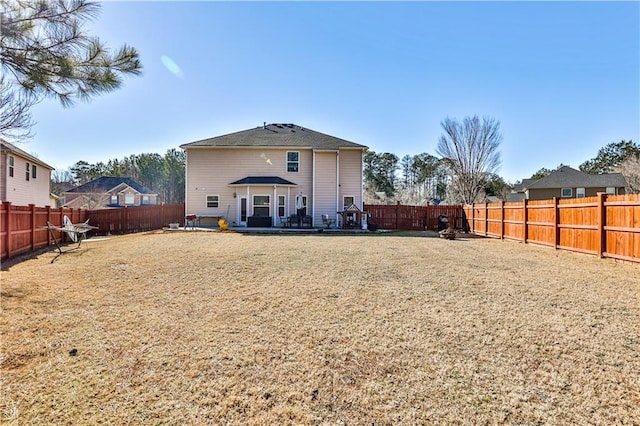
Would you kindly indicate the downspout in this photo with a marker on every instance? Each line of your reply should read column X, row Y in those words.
column 313, row 186
column 337, row 185
column 186, row 181
column 361, row 180
column 249, row 207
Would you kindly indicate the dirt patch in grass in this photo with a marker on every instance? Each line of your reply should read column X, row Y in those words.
column 212, row 328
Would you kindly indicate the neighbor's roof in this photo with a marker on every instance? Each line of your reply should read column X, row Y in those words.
column 4, row 145
column 107, row 183
column 567, row 177
column 263, row 180
column 276, row 135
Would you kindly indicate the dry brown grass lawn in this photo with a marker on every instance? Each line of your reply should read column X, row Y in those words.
column 224, row 328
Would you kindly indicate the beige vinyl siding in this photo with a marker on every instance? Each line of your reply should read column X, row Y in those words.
column 351, row 175
column 4, row 175
column 211, row 170
column 325, row 186
column 20, row 191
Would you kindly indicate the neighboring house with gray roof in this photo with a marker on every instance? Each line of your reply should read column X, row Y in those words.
column 24, row 179
column 109, row 192
column 567, row 182
column 263, row 171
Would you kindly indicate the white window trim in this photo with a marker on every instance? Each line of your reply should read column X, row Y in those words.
column 566, row 196
column 217, row 201
column 581, row 192
column 344, row 205
column 283, row 205
column 253, row 203
column 133, row 198
column 112, row 199
column 287, row 162
column 612, row 190
column 12, row 163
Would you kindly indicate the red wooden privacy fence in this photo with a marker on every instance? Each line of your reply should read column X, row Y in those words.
column 22, row 227
column 606, row 226
column 413, row 218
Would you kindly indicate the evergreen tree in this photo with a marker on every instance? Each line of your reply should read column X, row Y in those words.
column 46, row 53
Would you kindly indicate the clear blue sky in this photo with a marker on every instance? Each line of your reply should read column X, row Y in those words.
column 562, row 78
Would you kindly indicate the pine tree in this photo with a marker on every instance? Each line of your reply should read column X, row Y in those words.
column 46, row 53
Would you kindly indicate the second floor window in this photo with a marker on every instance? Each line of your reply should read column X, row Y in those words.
column 11, row 163
column 28, row 171
column 33, row 171
column 293, row 161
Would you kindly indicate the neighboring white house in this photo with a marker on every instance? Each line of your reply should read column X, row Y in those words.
column 24, row 179
column 261, row 172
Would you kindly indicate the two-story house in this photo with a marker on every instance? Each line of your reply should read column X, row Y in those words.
column 271, row 171
column 110, row 192
column 24, row 179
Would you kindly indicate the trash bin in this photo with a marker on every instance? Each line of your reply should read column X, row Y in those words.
column 443, row 222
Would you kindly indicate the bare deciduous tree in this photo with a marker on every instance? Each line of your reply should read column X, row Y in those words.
column 470, row 150
column 630, row 168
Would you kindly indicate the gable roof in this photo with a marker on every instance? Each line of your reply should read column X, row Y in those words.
column 263, row 180
column 107, row 183
column 6, row 146
column 567, row 177
column 276, row 135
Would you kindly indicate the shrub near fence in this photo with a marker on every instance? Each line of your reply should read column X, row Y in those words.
column 606, row 226
column 22, row 228
column 414, row 218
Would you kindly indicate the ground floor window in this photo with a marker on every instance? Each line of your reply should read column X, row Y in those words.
column 567, row 192
column 611, row 190
column 281, row 204
column 261, row 205
column 114, row 199
column 129, row 199
column 213, row 201
column 580, row 193
column 145, row 200
column 347, row 201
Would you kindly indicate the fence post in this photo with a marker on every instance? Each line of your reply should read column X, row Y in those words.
column 556, row 224
column 525, row 219
column 486, row 219
column 48, row 220
column 473, row 218
column 7, row 226
column 502, row 220
column 602, row 221
column 397, row 213
column 33, row 226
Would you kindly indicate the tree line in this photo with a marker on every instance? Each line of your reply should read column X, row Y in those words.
column 162, row 174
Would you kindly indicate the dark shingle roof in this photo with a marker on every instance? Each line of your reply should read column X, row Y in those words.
column 107, row 183
column 276, row 135
column 567, row 177
column 263, row 180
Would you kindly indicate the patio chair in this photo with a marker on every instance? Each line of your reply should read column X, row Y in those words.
column 285, row 221
column 327, row 221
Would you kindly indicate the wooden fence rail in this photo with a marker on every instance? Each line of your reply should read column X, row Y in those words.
column 22, row 228
column 606, row 225
column 414, row 218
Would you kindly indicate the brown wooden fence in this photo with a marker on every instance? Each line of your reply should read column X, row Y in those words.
column 22, row 228
column 606, row 226
column 413, row 218
column 135, row 219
